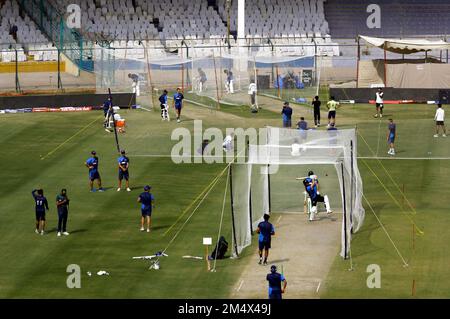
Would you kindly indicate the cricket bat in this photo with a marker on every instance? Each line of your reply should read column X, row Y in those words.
column 305, row 209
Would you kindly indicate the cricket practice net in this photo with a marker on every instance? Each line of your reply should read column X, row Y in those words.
column 288, row 152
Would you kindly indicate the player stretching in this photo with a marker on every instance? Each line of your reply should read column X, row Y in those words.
column 178, row 103
column 265, row 231
column 164, row 106
column 124, row 162
column 379, row 102
column 312, row 188
column 41, row 206
column 146, row 199
column 92, row 164
column 391, row 135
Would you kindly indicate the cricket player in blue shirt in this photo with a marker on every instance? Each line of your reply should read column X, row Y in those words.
column 312, row 188
column 178, row 103
column 41, row 205
column 124, row 163
column 265, row 231
column 164, row 106
column 275, row 279
column 146, row 199
column 92, row 164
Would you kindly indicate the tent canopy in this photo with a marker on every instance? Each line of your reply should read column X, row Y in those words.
column 406, row 46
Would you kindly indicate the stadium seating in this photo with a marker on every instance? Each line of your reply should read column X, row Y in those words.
column 30, row 40
column 398, row 18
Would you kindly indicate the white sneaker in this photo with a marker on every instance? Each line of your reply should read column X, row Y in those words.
column 443, row 135
column 36, row 231
column 42, row 233
column 148, row 230
column 59, row 234
column 376, row 115
column 178, row 121
column 381, row 115
column 118, row 189
column 436, row 135
column 330, row 212
column 142, row 229
column 128, row 189
column 66, row 233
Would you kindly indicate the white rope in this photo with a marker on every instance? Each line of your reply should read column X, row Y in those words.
column 221, row 222
column 387, row 234
column 192, row 214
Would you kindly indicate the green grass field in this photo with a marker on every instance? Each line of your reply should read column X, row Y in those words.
column 49, row 150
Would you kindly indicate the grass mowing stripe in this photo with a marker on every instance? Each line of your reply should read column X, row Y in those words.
column 393, row 198
column 386, row 232
column 66, row 141
column 390, row 176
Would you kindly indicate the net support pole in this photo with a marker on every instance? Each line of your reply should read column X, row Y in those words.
column 352, row 178
column 278, row 83
column 344, row 208
column 217, row 84
column 114, row 121
column 357, row 62
column 17, row 71
column 233, row 225
column 385, row 66
column 268, row 188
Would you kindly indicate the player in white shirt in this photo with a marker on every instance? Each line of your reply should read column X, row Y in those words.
column 227, row 144
column 252, row 94
column 379, row 102
column 439, row 117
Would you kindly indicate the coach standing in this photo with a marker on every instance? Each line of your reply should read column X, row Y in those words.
column 62, row 204
column 124, row 163
column 439, row 117
column 286, row 114
column 316, row 104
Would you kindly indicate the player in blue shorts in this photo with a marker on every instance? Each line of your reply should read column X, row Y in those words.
column 146, row 199
column 178, row 103
column 391, row 135
column 124, row 163
column 92, row 164
column 41, row 205
column 265, row 231
column 275, row 279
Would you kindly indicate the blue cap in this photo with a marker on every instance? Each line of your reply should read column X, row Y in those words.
column 273, row 268
column 93, row 153
column 146, row 188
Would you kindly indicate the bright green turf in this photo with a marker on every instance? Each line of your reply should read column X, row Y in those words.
column 104, row 226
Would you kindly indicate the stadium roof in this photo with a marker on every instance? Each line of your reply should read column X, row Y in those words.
column 406, row 46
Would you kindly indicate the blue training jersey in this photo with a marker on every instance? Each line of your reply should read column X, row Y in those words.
column 124, row 161
column 266, row 230
column 392, row 128
column 163, row 99
column 40, row 201
column 275, row 280
column 93, row 161
column 178, row 98
column 312, row 191
column 146, row 200
column 287, row 113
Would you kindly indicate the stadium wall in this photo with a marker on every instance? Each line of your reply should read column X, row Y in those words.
column 364, row 95
column 124, row 100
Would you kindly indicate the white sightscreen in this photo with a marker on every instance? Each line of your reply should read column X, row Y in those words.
column 334, row 148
